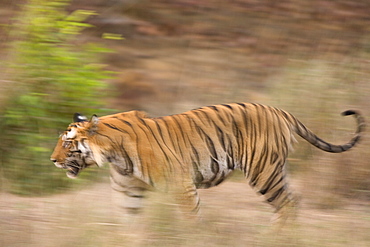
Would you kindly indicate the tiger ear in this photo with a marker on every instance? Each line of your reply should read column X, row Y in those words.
column 77, row 117
column 94, row 120
column 93, row 124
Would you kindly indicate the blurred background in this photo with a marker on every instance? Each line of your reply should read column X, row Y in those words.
column 309, row 57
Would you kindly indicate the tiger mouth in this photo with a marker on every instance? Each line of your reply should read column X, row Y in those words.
column 73, row 168
column 72, row 172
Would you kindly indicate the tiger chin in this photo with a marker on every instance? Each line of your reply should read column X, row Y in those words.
column 197, row 149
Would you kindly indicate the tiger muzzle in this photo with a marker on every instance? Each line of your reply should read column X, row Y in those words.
column 72, row 166
column 58, row 164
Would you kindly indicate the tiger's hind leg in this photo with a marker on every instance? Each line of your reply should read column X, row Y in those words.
column 271, row 183
column 286, row 212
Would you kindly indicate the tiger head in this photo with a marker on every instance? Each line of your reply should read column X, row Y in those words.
column 73, row 151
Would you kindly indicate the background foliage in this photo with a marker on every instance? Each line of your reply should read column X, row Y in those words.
column 52, row 76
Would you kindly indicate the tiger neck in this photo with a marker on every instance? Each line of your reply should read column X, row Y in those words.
column 101, row 156
column 98, row 155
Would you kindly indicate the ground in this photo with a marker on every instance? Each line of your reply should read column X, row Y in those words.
column 233, row 215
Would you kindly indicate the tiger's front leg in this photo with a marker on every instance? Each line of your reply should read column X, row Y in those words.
column 188, row 200
column 128, row 192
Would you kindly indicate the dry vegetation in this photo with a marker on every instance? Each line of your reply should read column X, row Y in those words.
column 308, row 57
column 232, row 216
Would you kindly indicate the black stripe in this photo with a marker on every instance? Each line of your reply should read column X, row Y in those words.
column 108, row 137
column 230, row 162
column 155, row 137
column 253, row 143
column 176, row 137
column 203, row 117
column 114, row 127
column 268, row 184
column 276, row 195
column 221, row 137
column 259, row 166
column 215, row 168
column 125, row 122
column 130, row 194
column 243, row 142
column 220, row 112
column 228, row 106
column 221, row 179
column 129, row 162
column 170, row 149
column 242, row 105
column 176, row 119
column 213, row 107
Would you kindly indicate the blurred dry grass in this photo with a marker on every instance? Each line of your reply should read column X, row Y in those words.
column 308, row 57
column 232, row 216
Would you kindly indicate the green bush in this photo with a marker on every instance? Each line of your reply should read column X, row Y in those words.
column 52, row 77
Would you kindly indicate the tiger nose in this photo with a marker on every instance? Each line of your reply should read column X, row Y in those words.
column 53, row 160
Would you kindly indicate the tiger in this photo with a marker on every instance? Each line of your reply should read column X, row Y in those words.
column 197, row 149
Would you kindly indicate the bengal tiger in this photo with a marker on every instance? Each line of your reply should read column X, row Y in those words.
column 192, row 150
